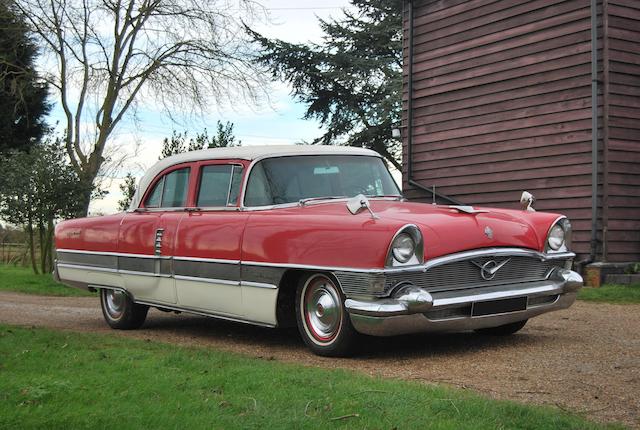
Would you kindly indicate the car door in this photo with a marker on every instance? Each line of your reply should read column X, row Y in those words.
column 147, row 238
column 207, row 253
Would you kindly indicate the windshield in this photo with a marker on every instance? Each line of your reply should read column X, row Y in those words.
column 291, row 179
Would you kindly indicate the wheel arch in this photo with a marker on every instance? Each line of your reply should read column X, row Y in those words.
column 286, row 302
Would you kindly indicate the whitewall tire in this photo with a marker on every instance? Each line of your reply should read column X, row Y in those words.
column 323, row 321
column 120, row 312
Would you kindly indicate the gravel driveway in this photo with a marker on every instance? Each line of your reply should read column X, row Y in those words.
column 585, row 359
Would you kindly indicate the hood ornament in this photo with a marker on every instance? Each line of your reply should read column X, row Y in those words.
column 488, row 231
column 526, row 201
column 359, row 202
column 468, row 209
column 489, row 269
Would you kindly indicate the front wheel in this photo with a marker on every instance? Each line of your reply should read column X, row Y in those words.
column 322, row 319
column 503, row 330
column 120, row 311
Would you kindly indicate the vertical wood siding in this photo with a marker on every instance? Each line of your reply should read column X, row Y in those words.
column 502, row 104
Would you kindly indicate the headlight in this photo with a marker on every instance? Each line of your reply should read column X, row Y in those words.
column 556, row 237
column 403, row 247
column 559, row 237
column 406, row 247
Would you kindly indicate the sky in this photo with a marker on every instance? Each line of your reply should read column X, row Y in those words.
column 280, row 122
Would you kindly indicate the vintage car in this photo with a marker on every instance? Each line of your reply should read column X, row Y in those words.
column 319, row 237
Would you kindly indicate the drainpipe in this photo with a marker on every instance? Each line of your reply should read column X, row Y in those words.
column 410, row 179
column 594, row 130
column 594, row 139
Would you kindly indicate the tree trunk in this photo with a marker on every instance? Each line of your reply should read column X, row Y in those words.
column 41, row 243
column 49, row 246
column 85, row 199
column 88, row 174
column 32, row 246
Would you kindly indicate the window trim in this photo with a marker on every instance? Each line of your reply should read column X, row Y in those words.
column 161, row 177
column 198, row 185
column 255, row 161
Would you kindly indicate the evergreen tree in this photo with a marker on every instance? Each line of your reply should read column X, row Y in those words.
column 23, row 103
column 128, row 189
column 180, row 142
column 352, row 81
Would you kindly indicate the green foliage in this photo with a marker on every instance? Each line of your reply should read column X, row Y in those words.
column 22, row 280
column 180, row 142
column 352, row 82
column 36, row 189
column 633, row 269
column 23, row 103
column 128, row 189
column 80, row 380
column 619, row 294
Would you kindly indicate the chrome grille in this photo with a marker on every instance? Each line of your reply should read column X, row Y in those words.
column 358, row 283
column 456, row 275
column 465, row 274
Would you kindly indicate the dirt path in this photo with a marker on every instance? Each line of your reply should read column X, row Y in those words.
column 585, row 359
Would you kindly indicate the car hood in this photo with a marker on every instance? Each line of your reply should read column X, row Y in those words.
column 447, row 230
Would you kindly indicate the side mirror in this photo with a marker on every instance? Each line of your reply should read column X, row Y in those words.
column 359, row 202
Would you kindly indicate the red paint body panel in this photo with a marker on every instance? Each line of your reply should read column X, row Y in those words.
column 211, row 234
column 137, row 232
column 326, row 234
column 89, row 234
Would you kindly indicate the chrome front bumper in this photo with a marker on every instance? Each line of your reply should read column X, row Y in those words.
column 412, row 309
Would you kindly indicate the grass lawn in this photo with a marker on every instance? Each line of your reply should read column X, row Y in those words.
column 23, row 280
column 623, row 294
column 68, row 380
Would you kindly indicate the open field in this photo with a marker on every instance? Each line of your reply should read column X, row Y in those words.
column 585, row 360
column 70, row 380
column 23, row 280
column 623, row 294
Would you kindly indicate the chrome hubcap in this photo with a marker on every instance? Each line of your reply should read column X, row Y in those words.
column 323, row 310
column 115, row 301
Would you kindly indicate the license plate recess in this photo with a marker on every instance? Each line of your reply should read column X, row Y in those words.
column 501, row 306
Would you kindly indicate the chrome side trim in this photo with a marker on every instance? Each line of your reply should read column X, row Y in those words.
column 206, row 314
column 208, row 280
column 207, row 260
column 82, row 267
column 117, row 254
column 423, row 267
column 258, row 285
column 149, row 274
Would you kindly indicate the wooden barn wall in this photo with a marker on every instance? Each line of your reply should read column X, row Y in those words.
column 622, row 104
column 502, row 104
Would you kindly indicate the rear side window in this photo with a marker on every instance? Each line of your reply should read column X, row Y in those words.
column 219, row 185
column 170, row 191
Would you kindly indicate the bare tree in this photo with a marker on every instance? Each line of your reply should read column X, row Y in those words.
column 108, row 55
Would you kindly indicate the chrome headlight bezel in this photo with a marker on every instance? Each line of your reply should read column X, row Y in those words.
column 395, row 255
column 558, row 237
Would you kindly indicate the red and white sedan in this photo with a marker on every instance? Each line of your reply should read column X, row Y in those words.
column 319, row 237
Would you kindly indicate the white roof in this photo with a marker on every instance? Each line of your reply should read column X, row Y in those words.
column 241, row 153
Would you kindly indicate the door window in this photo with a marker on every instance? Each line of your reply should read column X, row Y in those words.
column 170, row 191
column 219, row 185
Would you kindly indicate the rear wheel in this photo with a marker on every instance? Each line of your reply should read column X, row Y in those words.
column 120, row 311
column 503, row 330
column 323, row 322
